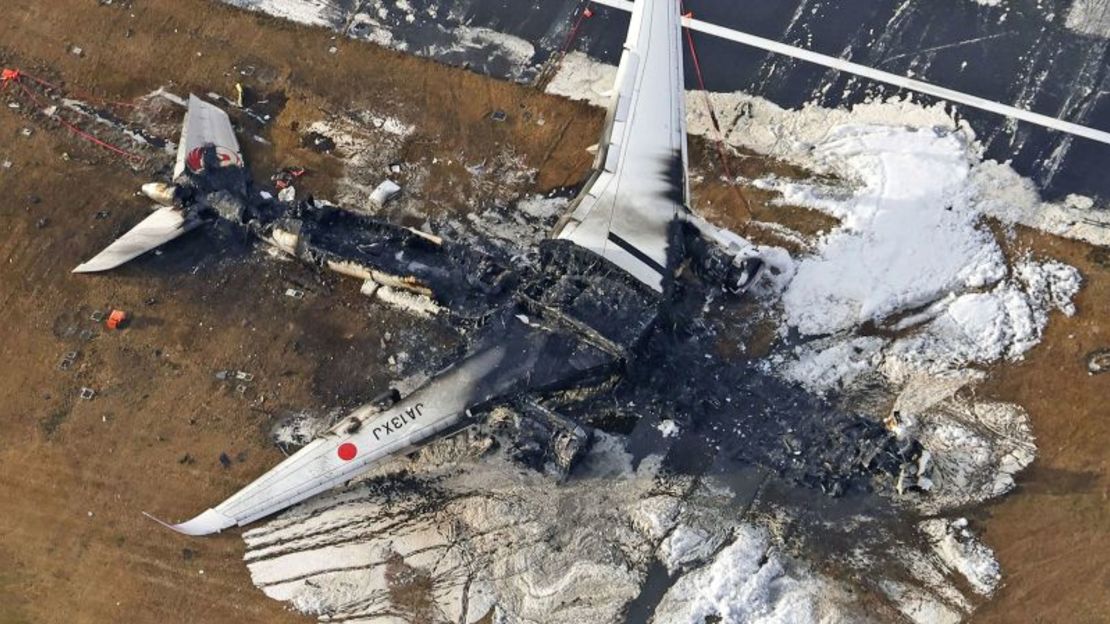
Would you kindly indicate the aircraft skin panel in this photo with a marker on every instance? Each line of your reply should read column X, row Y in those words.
column 160, row 227
column 639, row 187
column 206, row 124
column 349, row 450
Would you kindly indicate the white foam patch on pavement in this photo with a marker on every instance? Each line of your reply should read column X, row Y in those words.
column 1090, row 17
column 977, row 449
column 962, row 552
column 749, row 582
column 419, row 543
column 830, row 364
column 687, row 545
column 985, row 327
column 907, row 234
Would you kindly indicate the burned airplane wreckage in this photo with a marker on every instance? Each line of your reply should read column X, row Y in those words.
column 611, row 313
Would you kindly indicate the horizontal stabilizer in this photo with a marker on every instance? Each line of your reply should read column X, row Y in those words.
column 162, row 226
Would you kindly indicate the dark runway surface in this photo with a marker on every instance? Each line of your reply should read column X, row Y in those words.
column 1019, row 53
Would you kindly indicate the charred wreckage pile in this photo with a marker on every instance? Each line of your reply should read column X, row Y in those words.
column 568, row 343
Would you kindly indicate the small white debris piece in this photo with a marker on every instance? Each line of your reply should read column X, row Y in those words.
column 294, row 293
column 7, row 164
column 419, row 305
column 287, row 194
column 265, row 195
column 87, row 393
column 369, row 288
column 384, row 192
column 76, row 51
column 668, row 428
column 27, row 132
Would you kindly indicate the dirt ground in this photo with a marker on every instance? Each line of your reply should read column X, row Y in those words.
column 75, row 474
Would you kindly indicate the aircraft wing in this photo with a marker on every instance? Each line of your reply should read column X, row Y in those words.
column 626, row 211
column 162, row 226
column 206, row 124
column 360, row 441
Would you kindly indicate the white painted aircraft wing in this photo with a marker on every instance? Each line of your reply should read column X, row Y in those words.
column 206, row 124
column 162, row 226
column 348, row 450
column 638, row 189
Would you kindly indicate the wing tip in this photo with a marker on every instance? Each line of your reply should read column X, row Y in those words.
column 207, row 523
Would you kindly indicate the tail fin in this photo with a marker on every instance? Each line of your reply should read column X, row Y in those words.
column 162, row 226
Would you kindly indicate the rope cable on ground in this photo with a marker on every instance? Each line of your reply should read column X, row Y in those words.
column 16, row 77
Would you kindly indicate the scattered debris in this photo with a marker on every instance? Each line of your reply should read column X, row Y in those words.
column 225, row 461
column 68, row 360
column 499, row 115
column 1098, row 361
column 318, row 142
column 286, row 176
column 369, row 288
column 294, row 293
column 384, row 192
column 117, row 319
column 87, row 393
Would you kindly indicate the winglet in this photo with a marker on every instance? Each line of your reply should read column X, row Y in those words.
column 207, row 523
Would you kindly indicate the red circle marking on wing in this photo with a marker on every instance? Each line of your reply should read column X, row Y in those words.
column 347, row 451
